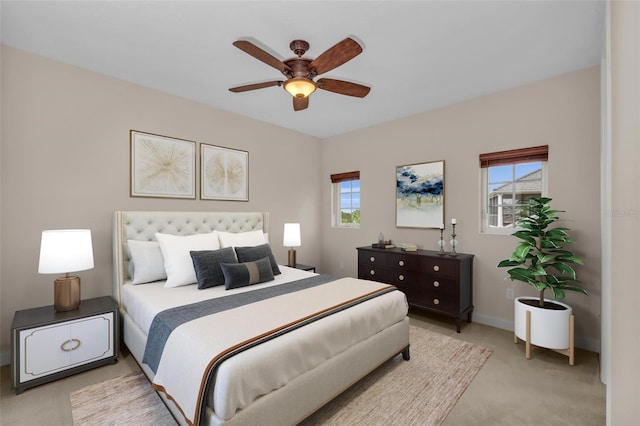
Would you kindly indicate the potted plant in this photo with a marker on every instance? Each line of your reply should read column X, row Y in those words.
column 541, row 260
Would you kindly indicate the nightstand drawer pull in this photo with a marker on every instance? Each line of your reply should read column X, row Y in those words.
column 436, row 284
column 70, row 345
column 401, row 277
column 372, row 272
column 436, row 268
column 372, row 259
column 436, row 302
column 401, row 263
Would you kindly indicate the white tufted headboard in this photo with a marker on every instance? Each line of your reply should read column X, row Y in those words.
column 143, row 225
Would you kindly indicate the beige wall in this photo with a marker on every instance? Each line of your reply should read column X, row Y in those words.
column 562, row 112
column 65, row 164
column 622, row 325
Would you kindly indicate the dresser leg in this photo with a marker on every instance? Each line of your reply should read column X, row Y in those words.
column 458, row 324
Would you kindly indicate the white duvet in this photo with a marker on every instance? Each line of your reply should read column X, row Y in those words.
column 245, row 377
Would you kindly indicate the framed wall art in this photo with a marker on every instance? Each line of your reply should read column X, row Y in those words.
column 420, row 195
column 224, row 173
column 162, row 166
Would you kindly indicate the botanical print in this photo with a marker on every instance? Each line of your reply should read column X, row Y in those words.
column 224, row 173
column 420, row 195
column 162, row 166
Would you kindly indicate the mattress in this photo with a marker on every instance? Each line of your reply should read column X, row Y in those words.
column 271, row 365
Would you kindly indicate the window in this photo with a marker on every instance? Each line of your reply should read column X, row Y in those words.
column 509, row 180
column 346, row 200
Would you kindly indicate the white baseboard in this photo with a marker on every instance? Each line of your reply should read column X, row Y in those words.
column 588, row 344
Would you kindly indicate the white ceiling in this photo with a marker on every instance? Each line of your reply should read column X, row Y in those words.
column 418, row 55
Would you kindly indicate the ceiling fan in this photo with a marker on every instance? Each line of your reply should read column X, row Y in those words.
column 301, row 71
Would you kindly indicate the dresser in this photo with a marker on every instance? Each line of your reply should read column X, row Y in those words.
column 431, row 282
column 47, row 345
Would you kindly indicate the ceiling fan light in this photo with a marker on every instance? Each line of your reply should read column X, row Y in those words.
column 300, row 87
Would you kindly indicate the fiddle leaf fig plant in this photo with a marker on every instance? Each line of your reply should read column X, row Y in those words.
column 541, row 259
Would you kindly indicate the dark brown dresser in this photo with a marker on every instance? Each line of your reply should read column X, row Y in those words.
column 435, row 283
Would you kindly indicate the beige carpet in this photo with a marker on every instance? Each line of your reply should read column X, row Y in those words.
column 421, row 391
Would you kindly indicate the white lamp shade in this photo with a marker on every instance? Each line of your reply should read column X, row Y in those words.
column 291, row 235
column 65, row 250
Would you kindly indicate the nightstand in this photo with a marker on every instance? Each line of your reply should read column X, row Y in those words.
column 305, row 267
column 47, row 345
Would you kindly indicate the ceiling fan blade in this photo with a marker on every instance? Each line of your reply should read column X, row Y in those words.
column 335, row 56
column 300, row 103
column 255, row 86
column 343, row 87
column 261, row 55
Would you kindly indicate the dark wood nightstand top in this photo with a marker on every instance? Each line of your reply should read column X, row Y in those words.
column 304, row 267
column 47, row 314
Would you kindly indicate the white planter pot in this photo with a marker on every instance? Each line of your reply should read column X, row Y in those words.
column 549, row 327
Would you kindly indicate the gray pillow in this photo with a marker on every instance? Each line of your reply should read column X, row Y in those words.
column 251, row 254
column 247, row 273
column 206, row 264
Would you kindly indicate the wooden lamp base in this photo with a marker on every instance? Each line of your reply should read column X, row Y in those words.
column 66, row 293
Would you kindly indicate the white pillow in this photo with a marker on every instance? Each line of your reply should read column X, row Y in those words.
column 241, row 239
column 147, row 261
column 177, row 259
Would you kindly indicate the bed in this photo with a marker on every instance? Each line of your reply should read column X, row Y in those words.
column 315, row 337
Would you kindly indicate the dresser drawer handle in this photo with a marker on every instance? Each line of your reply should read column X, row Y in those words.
column 436, row 268
column 372, row 259
column 372, row 272
column 436, row 284
column 401, row 263
column 436, row 302
column 70, row 345
column 401, row 277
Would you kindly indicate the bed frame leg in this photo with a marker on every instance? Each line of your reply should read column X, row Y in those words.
column 405, row 354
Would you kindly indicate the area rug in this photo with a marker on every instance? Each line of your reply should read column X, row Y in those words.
column 421, row 391
column 125, row 400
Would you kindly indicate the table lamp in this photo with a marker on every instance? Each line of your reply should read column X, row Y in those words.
column 291, row 239
column 65, row 251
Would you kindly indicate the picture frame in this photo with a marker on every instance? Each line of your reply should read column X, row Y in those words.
column 420, row 190
column 224, row 173
column 162, row 166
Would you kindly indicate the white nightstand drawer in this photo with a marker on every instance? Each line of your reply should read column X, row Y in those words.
column 52, row 348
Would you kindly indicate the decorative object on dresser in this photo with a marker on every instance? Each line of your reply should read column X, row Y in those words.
column 454, row 242
column 420, row 195
column 224, row 173
column 443, row 285
column 47, row 345
column 542, row 261
column 441, row 242
column 65, row 251
column 162, row 167
column 291, row 239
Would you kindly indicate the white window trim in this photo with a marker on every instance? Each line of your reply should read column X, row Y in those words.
column 484, row 191
column 336, row 218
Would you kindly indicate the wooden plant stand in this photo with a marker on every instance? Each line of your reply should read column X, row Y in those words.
column 567, row 352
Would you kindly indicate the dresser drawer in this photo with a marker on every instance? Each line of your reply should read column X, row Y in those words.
column 439, row 267
column 368, row 259
column 52, row 348
column 441, row 286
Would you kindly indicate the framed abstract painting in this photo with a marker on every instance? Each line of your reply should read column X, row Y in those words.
column 162, row 167
column 224, row 173
column 420, row 195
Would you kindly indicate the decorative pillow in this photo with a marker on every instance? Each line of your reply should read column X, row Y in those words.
column 146, row 262
column 241, row 239
column 247, row 273
column 250, row 254
column 207, row 265
column 177, row 259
